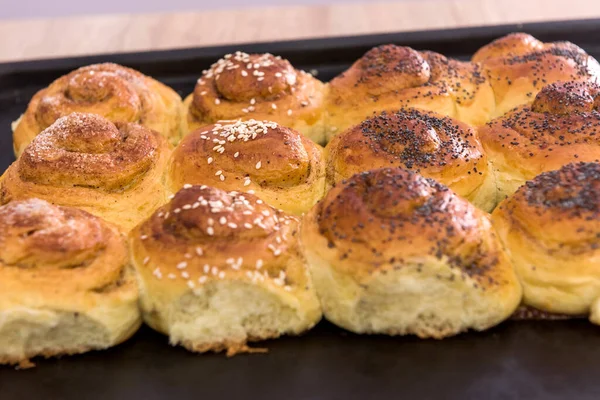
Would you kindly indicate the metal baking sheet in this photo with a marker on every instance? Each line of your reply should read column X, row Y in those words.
column 516, row 360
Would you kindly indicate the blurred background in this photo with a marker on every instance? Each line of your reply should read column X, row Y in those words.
column 34, row 29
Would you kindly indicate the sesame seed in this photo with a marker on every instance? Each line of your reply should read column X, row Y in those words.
column 259, row 201
column 206, row 268
column 187, row 255
column 177, row 210
column 217, row 101
column 166, row 215
column 260, row 78
column 278, row 74
column 202, row 279
column 191, row 284
column 247, row 182
column 222, row 220
column 259, row 263
column 185, row 275
column 214, row 270
column 182, row 265
column 171, row 197
column 287, row 288
column 266, row 213
column 195, row 205
column 274, row 106
column 171, row 276
column 232, row 225
column 247, row 225
column 187, row 206
column 258, row 164
column 277, row 252
column 237, row 153
column 143, row 237
column 187, row 186
column 221, row 275
column 222, row 178
column 199, row 251
column 219, row 172
column 210, row 231
column 244, row 73
column 253, row 101
column 146, row 260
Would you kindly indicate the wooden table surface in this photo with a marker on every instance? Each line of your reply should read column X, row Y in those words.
column 84, row 35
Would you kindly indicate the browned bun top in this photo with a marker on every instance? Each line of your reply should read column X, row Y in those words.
column 254, row 84
column 436, row 146
column 236, row 154
column 561, row 208
column 35, row 233
column 207, row 233
column 521, row 57
column 87, row 150
column 391, row 69
column 113, row 91
column 391, row 216
column 561, row 126
column 565, row 98
column 513, row 44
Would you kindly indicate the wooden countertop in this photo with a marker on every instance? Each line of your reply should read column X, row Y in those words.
column 84, row 35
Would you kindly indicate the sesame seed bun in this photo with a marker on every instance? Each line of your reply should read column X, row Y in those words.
column 258, row 86
column 282, row 167
column 220, row 269
column 66, row 285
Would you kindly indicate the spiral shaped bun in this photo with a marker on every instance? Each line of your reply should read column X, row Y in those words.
column 551, row 230
column 219, row 269
column 111, row 170
column 391, row 77
column 66, row 285
column 281, row 166
column 561, row 126
column 258, row 86
column 518, row 66
column 117, row 93
column 435, row 146
column 392, row 252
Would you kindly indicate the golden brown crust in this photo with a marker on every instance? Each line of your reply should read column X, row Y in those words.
column 366, row 217
column 117, row 93
column 435, row 146
column 391, row 77
column 258, row 86
column 561, row 126
column 551, row 228
column 233, row 232
column 281, row 166
column 84, row 160
column 63, row 260
column 206, row 237
column 518, row 66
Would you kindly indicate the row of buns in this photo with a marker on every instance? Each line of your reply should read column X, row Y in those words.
column 503, row 74
column 386, row 251
column 220, row 222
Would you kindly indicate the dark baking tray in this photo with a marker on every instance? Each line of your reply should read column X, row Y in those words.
column 516, row 360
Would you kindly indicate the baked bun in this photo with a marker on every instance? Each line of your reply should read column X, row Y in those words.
column 395, row 253
column 66, row 285
column 435, row 146
column 561, row 126
column 518, row 66
column 258, row 86
column 220, row 269
column 551, row 230
column 117, row 93
column 114, row 171
column 391, row 77
column 283, row 168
